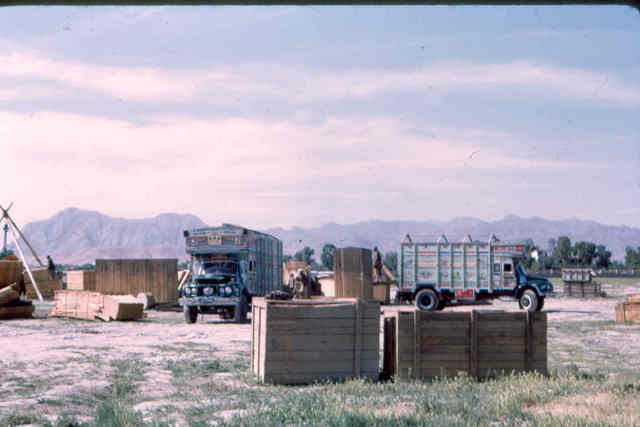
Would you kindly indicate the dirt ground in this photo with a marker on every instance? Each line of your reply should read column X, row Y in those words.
column 48, row 364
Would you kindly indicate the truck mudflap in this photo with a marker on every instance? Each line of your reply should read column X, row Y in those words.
column 216, row 301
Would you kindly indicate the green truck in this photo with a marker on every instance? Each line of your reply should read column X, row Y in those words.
column 229, row 265
column 434, row 274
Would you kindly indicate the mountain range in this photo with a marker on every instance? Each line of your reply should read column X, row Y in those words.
column 75, row 236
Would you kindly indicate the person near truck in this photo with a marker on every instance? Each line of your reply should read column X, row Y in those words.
column 377, row 265
column 51, row 267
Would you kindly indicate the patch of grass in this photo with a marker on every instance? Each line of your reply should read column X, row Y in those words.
column 188, row 369
column 185, row 346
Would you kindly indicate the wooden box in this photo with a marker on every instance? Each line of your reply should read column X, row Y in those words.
column 576, row 275
column 46, row 286
column 627, row 312
column 94, row 305
column 136, row 276
column 81, row 280
column 303, row 341
column 582, row 289
column 426, row 345
column 10, row 272
column 353, row 273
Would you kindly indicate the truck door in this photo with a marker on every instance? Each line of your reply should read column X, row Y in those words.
column 508, row 274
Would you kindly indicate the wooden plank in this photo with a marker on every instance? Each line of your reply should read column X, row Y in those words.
column 452, row 317
column 473, row 344
column 305, row 367
column 297, row 378
column 342, row 311
column 502, row 364
column 499, row 357
column 428, row 340
column 320, row 342
column 17, row 312
column 500, row 317
column 445, row 329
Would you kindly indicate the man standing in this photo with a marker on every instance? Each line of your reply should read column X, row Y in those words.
column 377, row 265
column 51, row 268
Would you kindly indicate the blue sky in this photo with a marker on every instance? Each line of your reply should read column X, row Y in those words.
column 285, row 116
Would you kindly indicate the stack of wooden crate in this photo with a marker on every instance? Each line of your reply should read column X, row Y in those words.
column 11, row 306
column 426, row 345
column 46, row 285
column 353, row 273
column 136, row 276
column 629, row 310
column 303, row 341
column 578, row 283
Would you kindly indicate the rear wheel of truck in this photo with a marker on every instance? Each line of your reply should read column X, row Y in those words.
column 529, row 300
column 427, row 300
column 240, row 311
column 190, row 313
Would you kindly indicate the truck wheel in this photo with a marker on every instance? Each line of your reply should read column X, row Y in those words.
column 442, row 304
column 190, row 313
column 427, row 300
column 240, row 311
column 540, row 303
column 529, row 300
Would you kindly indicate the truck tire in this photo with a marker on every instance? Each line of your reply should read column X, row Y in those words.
column 240, row 311
column 427, row 300
column 442, row 304
column 190, row 314
column 529, row 300
column 540, row 303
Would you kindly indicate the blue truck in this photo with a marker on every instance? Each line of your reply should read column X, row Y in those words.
column 229, row 265
column 435, row 274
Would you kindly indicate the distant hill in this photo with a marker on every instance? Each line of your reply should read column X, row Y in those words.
column 387, row 235
column 76, row 236
column 79, row 236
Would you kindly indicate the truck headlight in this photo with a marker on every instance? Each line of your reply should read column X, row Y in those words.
column 228, row 291
column 187, row 292
column 208, row 291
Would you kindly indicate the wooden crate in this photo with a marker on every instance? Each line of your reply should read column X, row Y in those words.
column 94, row 305
column 10, row 272
column 46, row 286
column 303, row 341
column 576, row 275
column 353, row 273
column 628, row 312
column 81, row 280
column 426, row 345
column 136, row 276
column 582, row 289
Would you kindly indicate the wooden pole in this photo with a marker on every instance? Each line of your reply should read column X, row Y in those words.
column 6, row 215
column 26, row 266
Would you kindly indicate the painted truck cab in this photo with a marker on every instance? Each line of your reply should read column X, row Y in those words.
column 229, row 265
column 434, row 274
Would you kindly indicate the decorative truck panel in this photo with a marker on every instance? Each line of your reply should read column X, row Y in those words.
column 458, row 266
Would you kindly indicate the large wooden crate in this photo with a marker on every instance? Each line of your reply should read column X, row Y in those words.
column 582, row 289
column 46, row 285
column 136, row 276
column 81, row 280
column 303, row 341
column 426, row 345
column 10, row 272
column 628, row 312
column 353, row 273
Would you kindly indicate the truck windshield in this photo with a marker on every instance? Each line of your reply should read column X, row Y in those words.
column 214, row 268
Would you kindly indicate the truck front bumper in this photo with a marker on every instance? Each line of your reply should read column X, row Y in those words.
column 209, row 301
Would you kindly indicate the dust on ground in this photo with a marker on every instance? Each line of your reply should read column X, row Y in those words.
column 47, row 365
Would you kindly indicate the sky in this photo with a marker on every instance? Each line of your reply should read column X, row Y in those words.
column 305, row 115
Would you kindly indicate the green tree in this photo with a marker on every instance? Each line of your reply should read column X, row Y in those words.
column 632, row 258
column 603, row 256
column 562, row 251
column 306, row 255
column 287, row 257
column 391, row 261
column 585, row 252
column 328, row 252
